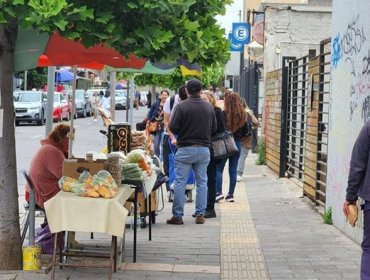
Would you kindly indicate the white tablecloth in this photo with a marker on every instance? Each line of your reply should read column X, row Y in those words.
column 69, row 212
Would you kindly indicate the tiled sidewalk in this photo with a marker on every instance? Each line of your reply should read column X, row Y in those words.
column 268, row 233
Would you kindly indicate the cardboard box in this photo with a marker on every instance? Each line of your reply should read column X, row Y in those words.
column 74, row 167
column 141, row 202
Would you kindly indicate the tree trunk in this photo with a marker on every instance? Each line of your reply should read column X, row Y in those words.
column 10, row 241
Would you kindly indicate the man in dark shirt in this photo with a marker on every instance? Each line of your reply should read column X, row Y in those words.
column 193, row 120
column 359, row 186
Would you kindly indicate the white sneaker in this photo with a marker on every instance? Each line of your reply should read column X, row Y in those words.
column 95, row 120
column 239, row 178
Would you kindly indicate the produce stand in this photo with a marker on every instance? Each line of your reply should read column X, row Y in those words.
column 68, row 212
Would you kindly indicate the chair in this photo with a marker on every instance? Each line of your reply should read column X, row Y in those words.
column 31, row 207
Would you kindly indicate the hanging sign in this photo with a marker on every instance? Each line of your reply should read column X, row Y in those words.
column 235, row 47
column 241, row 32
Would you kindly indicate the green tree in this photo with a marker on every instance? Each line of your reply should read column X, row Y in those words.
column 161, row 30
column 36, row 78
column 211, row 76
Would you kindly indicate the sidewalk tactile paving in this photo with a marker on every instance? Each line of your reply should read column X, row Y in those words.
column 241, row 254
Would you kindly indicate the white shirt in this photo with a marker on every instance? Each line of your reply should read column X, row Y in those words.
column 167, row 104
column 105, row 103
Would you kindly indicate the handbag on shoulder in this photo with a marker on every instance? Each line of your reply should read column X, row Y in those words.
column 223, row 145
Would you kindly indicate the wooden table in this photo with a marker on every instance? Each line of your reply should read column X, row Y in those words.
column 69, row 212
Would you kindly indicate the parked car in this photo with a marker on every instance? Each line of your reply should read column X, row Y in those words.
column 83, row 103
column 62, row 107
column 16, row 94
column 29, row 107
column 120, row 98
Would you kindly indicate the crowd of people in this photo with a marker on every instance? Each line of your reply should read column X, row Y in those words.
column 187, row 121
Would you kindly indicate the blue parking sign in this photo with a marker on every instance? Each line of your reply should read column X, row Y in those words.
column 235, row 47
column 241, row 32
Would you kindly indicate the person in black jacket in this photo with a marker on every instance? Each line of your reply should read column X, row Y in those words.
column 359, row 186
column 211, row 170
column 193, row 121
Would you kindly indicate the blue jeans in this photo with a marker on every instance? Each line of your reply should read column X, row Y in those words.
column 157, row 142
column 233, row 165
column 187, row 158
column 242, row 158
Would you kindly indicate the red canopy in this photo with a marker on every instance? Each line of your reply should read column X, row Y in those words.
column 61, row 52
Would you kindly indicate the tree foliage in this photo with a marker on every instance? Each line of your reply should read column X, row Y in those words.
column 161, row 30
column 211, row 76
column 36, row 78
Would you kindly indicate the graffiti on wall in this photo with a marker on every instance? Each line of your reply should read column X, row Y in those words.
column 349, row 45
column 349, row 48
column 341, row 163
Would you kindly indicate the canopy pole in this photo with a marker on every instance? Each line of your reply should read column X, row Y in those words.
column 73, row 112
column 25, row 80
column 50, row 100
column 131, row 113
column 127, row 101
column 112, row 80
column 153, row 95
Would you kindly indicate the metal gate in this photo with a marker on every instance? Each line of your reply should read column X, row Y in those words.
column 323, row 121
column 296, row 117
column 247, row 86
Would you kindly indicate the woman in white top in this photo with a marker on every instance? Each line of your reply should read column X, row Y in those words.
column 95, row 101
column 105, row 103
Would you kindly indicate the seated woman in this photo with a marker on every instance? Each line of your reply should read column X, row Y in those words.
column 46, row 165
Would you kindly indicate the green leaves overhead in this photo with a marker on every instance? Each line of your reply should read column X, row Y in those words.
column 211, row 76
column 162, row 30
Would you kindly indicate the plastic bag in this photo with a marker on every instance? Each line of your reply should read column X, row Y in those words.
column 45, row 239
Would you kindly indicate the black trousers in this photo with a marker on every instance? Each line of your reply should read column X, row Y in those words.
column 166, row 151
column 211, row 194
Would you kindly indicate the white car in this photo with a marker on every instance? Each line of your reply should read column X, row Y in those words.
column 120, row 98
column 30, row 107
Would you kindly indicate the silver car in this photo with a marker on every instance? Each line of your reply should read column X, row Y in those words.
column 30, row 107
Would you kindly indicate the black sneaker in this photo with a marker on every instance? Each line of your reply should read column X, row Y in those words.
column 210, row 213
column 219, row 196
column 230, row 198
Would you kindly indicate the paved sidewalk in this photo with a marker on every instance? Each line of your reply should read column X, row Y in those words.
column 268, row 233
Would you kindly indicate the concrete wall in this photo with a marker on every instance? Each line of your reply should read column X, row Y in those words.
column 350, row 98
column 293, row 31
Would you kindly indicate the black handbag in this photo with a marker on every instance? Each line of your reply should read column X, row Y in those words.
column 223, row 145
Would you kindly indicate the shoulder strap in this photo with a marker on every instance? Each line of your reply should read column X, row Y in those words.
column 172, row 101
